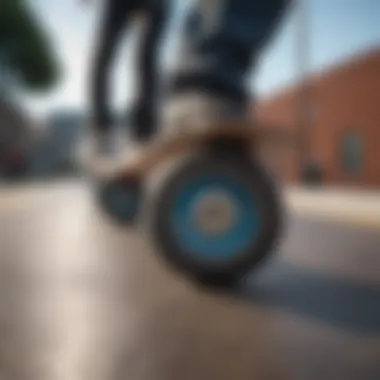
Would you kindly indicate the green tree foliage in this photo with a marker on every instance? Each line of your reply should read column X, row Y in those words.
column 25, row 46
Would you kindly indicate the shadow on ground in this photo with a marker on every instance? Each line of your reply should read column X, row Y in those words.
column 338, row 302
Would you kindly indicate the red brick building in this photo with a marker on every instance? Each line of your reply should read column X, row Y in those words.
column 344, row 129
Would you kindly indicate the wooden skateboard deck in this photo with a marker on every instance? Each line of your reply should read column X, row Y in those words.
column 142, row 162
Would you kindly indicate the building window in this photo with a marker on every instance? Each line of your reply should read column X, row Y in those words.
column 351, row 152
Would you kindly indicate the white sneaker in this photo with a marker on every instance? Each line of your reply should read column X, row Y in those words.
column 109, row 163
column 196, row 112
column 97, row 147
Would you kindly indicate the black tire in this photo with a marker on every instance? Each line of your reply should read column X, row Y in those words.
column 256, row 179
column 120, row 200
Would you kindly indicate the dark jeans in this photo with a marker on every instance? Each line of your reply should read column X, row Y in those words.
column 222, row 41
column 116, row 19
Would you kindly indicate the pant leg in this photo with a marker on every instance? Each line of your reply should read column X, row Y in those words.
column 222, row 40
column 145, row 112
column 113, row 23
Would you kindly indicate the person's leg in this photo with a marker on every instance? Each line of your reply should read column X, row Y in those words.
column 223, row 39
column 145, row 110
column 113, row 23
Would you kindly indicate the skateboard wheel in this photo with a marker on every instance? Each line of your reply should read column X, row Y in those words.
column 120, row 199
column 216, row 218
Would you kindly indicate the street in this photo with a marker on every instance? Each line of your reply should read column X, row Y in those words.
column 84, row 299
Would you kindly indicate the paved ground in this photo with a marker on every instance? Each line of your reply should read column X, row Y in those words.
column 342, row 205
column 98, row 304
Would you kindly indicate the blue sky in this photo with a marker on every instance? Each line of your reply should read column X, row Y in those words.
column 338, row 29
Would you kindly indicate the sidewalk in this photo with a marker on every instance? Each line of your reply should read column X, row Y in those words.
column 348, row 206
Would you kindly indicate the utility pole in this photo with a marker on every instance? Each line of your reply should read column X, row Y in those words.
column 304, row 101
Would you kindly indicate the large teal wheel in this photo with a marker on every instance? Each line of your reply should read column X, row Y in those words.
column 216, row 218
column 120, row 200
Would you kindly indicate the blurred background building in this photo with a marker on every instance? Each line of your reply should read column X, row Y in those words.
column 54, row 153
column 344, row 131
column 16, row 137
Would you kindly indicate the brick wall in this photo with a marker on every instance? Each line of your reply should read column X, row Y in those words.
column 344, row 98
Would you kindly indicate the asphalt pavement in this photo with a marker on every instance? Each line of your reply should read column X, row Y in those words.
column 84, row 299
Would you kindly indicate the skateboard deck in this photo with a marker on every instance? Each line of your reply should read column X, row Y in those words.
column 141, row 162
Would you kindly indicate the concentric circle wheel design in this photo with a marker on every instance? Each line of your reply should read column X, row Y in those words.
column 215, row 217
